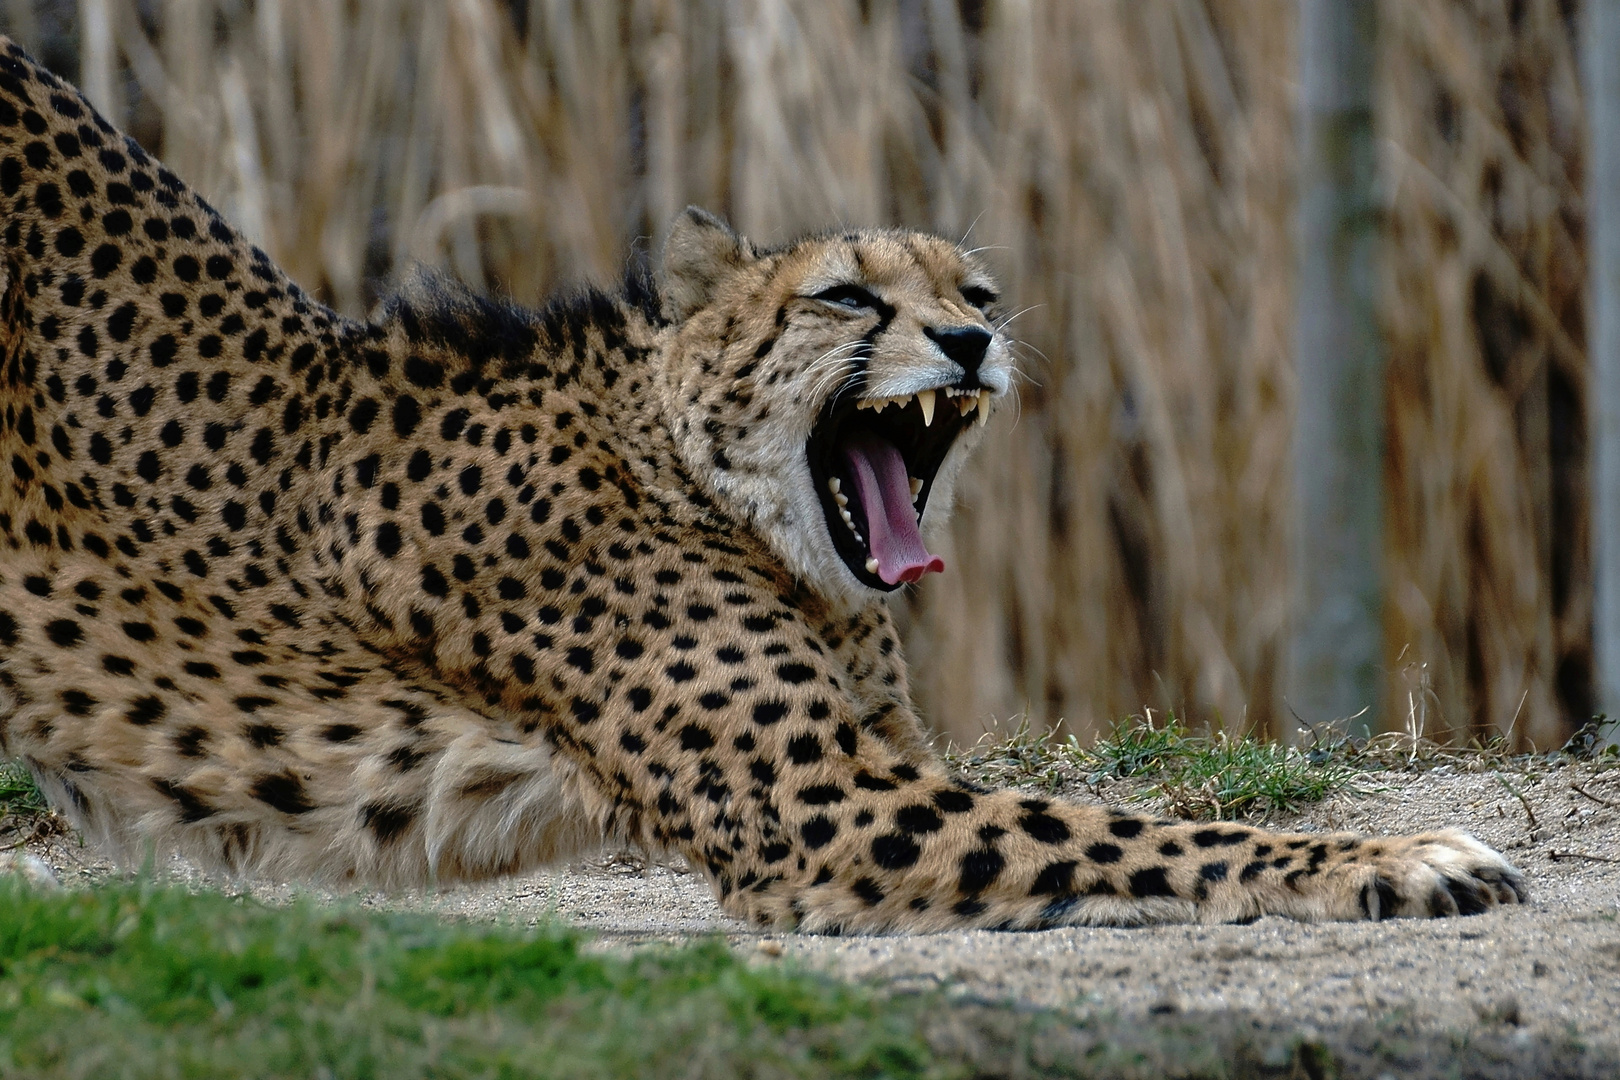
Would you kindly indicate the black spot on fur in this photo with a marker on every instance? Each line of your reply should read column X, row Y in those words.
column 1150, row 882
column 386, row 821
column 282, row 791
column 979, row 870
column 769, row 712
column 1104, row 854
column 804, row 750
column 146, row 709
column 77, row 703
column 1056, row 879
column 794, row 674
column 918, row 819
column 895, row 851
column 1044, row 827
column 818, row 832
column 868, row 890
column 63, row 633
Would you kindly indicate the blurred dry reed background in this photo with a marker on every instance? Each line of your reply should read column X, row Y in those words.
column 1131, row 166
column 1489, row 572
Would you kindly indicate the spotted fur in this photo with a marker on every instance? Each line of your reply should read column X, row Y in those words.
column 472, row 588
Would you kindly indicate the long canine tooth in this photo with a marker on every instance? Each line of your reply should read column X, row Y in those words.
column 916, row 485
column 871, row 566
column 984, row 407
column 925, row 398
column 840, row 498
column 834, row 484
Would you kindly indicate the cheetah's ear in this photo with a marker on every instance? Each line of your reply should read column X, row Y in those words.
column 700, row 251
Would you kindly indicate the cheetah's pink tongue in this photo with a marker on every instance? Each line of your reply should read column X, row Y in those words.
column 891, row 520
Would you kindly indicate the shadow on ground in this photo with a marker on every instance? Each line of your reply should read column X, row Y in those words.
column 1014, row 1044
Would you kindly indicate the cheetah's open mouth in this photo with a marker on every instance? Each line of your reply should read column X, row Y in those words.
column 873, row 462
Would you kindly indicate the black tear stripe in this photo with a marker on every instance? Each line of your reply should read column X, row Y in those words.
column 862, row 357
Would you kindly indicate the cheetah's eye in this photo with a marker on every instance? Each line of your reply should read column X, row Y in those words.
column 849, row 296
column 979, row 296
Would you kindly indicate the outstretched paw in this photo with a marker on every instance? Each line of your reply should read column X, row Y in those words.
column 1436, row 874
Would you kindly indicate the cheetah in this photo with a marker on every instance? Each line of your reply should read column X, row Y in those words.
column 469, row 588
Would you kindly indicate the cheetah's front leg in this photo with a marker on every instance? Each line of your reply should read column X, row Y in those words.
column 927, row 856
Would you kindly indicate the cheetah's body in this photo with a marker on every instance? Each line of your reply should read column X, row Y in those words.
column 471, row 588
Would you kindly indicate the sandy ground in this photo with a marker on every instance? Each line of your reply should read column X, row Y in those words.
column 1532, row 987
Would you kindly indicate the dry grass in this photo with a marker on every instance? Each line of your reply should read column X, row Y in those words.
column 1130, row 166
column 1490, row 589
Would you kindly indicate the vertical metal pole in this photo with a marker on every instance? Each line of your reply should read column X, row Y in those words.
column 1336, row 646
column 1602, row 64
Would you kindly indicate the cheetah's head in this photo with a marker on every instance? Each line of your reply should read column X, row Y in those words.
column 830, row 390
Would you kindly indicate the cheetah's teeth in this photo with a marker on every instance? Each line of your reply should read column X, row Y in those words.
column 966, row 401
column 881, row 403
column 841, row 499
column 833, row 484
column 916, row 486
column 849, row 522
column 871, row 566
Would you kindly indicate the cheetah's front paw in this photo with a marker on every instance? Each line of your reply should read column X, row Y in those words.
column 1433, row 875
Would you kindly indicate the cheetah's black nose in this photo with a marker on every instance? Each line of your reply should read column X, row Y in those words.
column 964, row 345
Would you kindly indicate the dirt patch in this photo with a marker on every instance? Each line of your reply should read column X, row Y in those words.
column 1526, row 991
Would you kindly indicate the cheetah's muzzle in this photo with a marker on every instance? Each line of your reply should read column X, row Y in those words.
column 873, row 461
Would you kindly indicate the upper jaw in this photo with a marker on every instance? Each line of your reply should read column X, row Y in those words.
column 965, row 401
column 937, row 387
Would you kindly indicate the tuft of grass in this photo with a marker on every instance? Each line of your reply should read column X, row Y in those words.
column 1200, row 776
column 19, row 795
column 141, row 981
column 1020, row 757
column 24, row 813
column 1218, row 776
column 1228, row 777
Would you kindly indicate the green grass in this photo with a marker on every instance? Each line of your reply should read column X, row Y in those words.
column 147, row 982
column 1224, row 777
column 153, row 982
column 1199, row 776
column 1206, row 776
column 18, row 793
